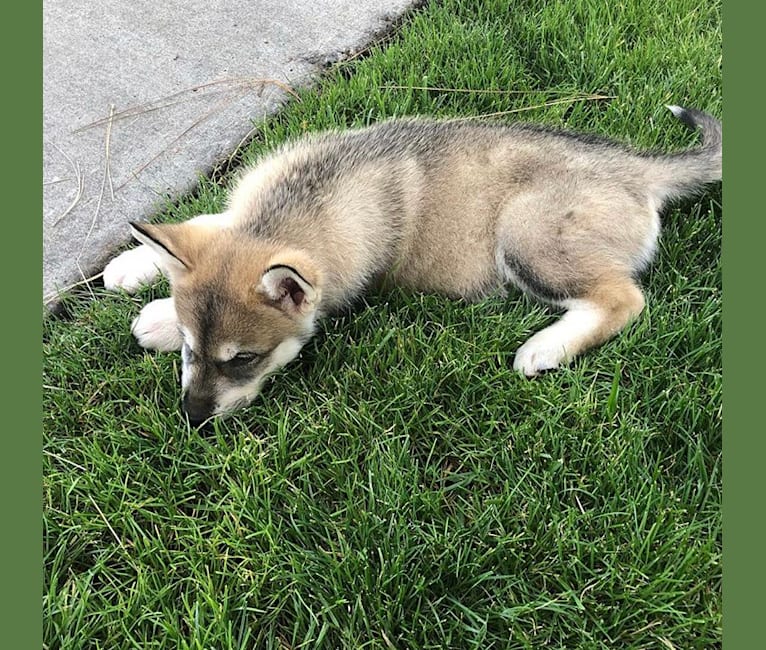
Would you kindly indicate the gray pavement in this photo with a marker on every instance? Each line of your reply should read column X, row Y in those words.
column 141, row 97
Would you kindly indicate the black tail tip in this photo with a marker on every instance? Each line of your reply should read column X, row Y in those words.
column 695, row 119
column 685, row 115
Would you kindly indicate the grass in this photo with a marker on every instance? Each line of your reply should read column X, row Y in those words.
column 399, row 486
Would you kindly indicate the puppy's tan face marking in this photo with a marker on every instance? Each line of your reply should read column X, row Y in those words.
column 233, row 340
column 243, row 312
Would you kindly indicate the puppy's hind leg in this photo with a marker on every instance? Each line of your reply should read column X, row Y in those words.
column 589, row 321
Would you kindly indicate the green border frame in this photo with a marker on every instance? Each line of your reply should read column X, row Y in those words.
column 22, row 327
column 743, row 351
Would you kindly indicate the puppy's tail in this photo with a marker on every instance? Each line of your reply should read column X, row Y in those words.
column 688, row 172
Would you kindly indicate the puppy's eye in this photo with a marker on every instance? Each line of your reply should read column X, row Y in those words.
column 242, row 359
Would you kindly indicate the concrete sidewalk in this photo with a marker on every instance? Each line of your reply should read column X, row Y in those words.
column 141, row 97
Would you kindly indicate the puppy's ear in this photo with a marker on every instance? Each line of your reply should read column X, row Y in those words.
column 170, row 241
column 288, row 289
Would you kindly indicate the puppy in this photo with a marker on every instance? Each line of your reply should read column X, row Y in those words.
column 456, row 207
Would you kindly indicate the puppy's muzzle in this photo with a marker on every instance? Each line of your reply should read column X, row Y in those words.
column 197, row 409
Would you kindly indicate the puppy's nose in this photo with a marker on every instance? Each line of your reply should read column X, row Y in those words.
column 197, row 409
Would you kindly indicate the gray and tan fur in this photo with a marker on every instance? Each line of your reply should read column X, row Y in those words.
column 456, row 207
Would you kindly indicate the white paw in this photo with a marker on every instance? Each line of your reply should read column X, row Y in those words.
column 156, row 326
column 132, row 269
column 543, row 351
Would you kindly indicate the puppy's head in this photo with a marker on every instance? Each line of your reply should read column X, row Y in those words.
column 245, row 308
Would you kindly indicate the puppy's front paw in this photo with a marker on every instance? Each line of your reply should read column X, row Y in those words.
column 132, row 269
column 540, row 353
column 156, row 326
